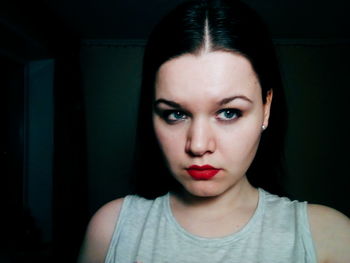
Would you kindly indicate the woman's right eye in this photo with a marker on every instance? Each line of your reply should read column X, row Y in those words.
column 172, row 116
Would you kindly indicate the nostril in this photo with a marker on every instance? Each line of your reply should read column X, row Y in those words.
column 199, row 140
column 197, row 149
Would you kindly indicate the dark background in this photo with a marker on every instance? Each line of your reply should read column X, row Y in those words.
column 69, row 86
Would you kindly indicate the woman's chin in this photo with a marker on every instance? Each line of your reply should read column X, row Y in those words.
column 204, row 189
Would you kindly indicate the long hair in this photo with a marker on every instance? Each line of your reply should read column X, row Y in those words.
column 228, row 26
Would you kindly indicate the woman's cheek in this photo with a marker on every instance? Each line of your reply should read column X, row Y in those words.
column 241, row 143
column 170, row 140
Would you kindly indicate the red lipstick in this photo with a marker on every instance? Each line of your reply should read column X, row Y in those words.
column 204, row 172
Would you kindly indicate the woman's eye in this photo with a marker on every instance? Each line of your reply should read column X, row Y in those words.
column 229, row 114
column 174, row 116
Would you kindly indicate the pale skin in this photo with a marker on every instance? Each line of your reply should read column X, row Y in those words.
column 212, row 104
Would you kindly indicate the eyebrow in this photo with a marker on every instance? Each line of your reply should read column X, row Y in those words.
column 229, row 99
column 167, row 102
column 221, row 102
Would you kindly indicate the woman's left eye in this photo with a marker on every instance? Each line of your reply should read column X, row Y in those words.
column 176, row 115
column 229, row 114
column 173, row 116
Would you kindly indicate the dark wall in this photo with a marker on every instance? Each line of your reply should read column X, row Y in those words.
column 317, row 88
column 31, row 34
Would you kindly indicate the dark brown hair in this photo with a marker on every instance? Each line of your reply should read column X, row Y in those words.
column 229, row 26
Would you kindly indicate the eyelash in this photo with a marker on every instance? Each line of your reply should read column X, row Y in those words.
column 166, row 114
column 237, row 113
column 182, row 115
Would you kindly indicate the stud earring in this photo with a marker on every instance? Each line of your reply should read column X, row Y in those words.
column 263, row 127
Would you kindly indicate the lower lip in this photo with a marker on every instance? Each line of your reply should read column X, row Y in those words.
column 202, row 174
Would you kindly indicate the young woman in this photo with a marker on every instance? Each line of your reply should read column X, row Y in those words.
column 211, row 96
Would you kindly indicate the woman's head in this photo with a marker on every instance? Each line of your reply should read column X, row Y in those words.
column 209, row 111
column 194, row 30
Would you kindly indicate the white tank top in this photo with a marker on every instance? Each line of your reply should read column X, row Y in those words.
column 147, row 232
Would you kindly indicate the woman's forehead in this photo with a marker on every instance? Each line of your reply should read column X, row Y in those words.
column 214, row 74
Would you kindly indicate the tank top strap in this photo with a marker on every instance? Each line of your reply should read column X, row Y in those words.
column 305, row 231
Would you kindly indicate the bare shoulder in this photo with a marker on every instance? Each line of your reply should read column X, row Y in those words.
column 99, row 232
column 331, row 232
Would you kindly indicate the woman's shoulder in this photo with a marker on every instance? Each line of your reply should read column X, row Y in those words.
column 103, row 221
column 331, row 233
column 99, row 232
column 101, row 226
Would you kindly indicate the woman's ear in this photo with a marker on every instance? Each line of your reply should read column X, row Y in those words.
column 267, row 108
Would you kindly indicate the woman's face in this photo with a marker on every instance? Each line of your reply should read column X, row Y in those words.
column 208, row 119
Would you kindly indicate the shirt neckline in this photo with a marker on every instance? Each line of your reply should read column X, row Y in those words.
column 218, row 241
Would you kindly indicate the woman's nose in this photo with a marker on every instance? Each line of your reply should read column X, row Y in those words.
column 200, row 139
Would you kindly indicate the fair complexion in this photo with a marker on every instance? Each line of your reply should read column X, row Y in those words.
column 214, row 117
column 209, row 110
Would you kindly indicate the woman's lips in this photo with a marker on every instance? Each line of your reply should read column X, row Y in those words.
column 204, row 172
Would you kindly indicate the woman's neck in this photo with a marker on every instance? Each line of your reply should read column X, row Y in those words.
column 228, row 212
column 238, row 195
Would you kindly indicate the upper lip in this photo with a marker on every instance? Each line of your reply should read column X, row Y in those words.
column 202, row 167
